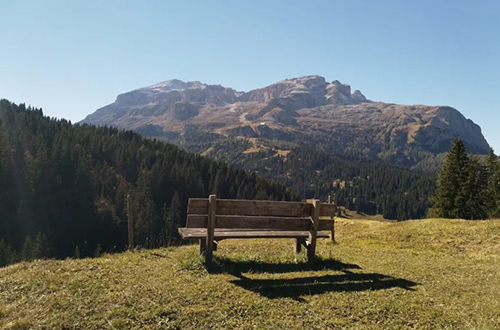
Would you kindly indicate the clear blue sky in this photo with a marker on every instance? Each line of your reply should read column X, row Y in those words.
column 72, row 57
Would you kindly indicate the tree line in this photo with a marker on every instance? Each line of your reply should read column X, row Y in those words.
column 359, row 184
column 64, row 187
column 468, row 186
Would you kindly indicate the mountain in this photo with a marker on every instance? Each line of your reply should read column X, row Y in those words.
column 294, row 112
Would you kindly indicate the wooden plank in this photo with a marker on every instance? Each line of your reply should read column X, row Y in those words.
column 224, row 233
column 248, row 207
column 253, row 222
column 196, row 221
column 313, row 234
column 327, row 210
column 263, row 208
column 256, row 222
column 197, row 206
column 212, row 204
column 325, row 224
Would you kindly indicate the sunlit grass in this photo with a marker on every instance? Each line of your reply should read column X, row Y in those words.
column 431, row 274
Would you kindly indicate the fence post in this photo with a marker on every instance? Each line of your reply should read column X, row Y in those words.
column 313, row 233
column 212, row 203
column 333, row 218
column 130, row 224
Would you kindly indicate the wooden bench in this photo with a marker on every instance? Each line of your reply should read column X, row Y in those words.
column 210, row 220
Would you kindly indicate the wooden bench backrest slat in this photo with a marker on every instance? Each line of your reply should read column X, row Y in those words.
column 198, row 206
column 256, row 222
column 327, row 210
column 259, row 208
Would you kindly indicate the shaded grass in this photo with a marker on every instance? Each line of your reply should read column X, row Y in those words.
column 431, row 274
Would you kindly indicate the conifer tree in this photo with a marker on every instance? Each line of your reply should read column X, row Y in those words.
column 98, row 251
column 3, row 253
column 7, row 254
column 77, row 254
column 40, row 246
column 493, row 189
column 447, row 202
column 173, row 220
column 496, row 184
column 473, row 192
column 27, row 251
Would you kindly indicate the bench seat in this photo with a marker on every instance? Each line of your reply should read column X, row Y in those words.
column 222, row 233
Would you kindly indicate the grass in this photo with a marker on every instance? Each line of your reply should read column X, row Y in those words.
column 428, row 274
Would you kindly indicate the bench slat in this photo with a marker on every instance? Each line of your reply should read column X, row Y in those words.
column 198, row 206
column 222, row 233
column 263, row 208
column 327, row 210
column 281, row 223
column 270, row 208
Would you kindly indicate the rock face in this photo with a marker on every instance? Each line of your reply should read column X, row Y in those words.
column 305, row 110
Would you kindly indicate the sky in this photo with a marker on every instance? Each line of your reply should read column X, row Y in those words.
column 73, row 57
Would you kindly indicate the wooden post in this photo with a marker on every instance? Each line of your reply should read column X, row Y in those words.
column 212, row 203
column 313, row 233
column 333, row 218
column 130, row 224
column 203, row 243
column 298, row 244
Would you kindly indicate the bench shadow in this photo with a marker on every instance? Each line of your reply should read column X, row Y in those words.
column 298, row 287
column 236, row 268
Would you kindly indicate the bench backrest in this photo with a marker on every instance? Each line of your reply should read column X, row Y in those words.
column 259, row 215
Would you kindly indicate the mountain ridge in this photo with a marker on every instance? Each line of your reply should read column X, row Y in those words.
column 305, row 110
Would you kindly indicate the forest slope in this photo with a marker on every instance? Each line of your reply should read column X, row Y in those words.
column 439, row 274
column 69, row 184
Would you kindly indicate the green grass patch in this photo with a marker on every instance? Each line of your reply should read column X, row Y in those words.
column 429, row 274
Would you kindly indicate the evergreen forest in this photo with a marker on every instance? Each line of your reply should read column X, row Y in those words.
column 64, row 187
column 468, row 186
column 359, row 184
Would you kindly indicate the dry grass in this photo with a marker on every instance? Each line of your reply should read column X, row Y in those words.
column 431, row 274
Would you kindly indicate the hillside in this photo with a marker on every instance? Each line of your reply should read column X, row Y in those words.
column 67, row 186
column 429, row 274
column 304, row 111
column 360, row 184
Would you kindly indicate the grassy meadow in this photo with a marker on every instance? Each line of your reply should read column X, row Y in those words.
column 426, row 274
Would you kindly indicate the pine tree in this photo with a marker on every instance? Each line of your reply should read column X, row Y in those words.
column 496, row 185
column 474, row 190
column 7, row 254
column 98, row 251
column 3, row 254
column 27, row 251
column 493, row 189
column 447, row 202
column 40, row 246
column 173, row 220
column 77, row 254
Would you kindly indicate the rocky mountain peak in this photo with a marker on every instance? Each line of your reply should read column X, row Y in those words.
column 306, row 92
column 357, row 95
column 308, row 81
column 301, row 110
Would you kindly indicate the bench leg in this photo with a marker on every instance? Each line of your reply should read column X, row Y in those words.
column 203, row 246
column 333, row 231
column 298, row 244
column 215, row 245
